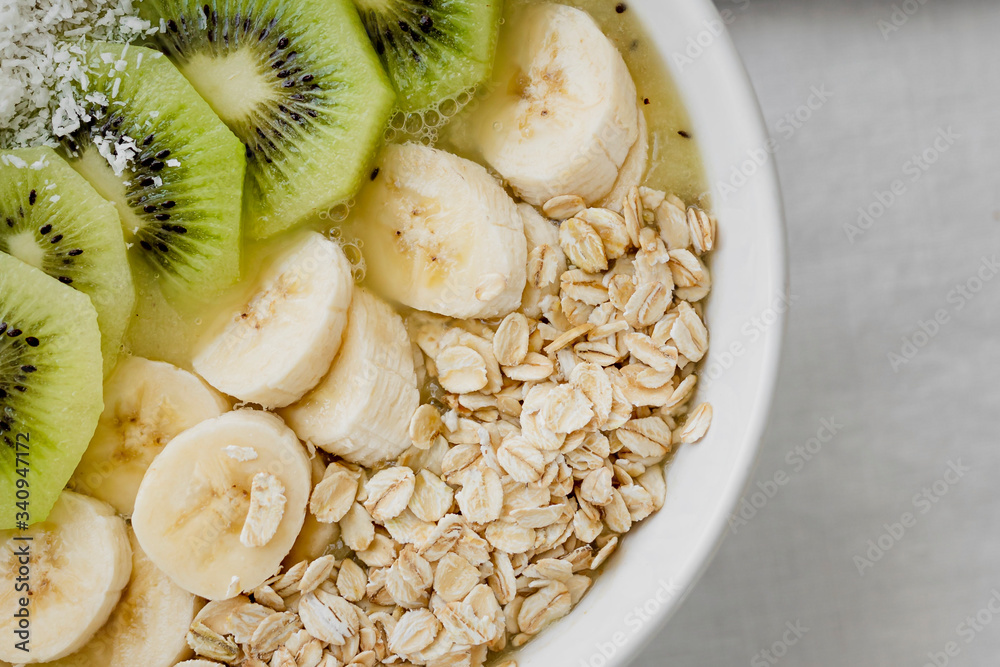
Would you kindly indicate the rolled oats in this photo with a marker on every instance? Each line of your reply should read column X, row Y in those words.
column 519, row 459
column 577, row 313
column 651, row 198
column 510, row 537
column 432, row 498
column 461, row 369
column 455, row 578
column 672, row 223
column 538, row 517
column 611, row 227
column 535, row 368
column 697, row 424
column 273, row 632
column 583, row 245
column 481, row 497
column 425, row 426
column 568, row 337
column 632, row 210
column 601, row 556
column 318, row 571
column 596, row 487
column 510, row 344
column 267, row 507
column 409, row 580
column 207, row 643
column 543, row 608
column 543, row 442
column 689, row 333
column 389, row 491
column 543, row 266
column 647, row 304
column 333, row 496
column 566, row 409
column 329, row 618
column 351, row 581
column 702, row 230
column 648, row 437
column 617, row 517
column 356, row 528
column 588, row 288
column 414, row 632
column 562, row 207
column 380, row 553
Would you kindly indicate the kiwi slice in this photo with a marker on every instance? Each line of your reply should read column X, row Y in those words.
column 50, row 388
column 179, row 177
column 434, row 50
column 53, row 219
column 298, row 83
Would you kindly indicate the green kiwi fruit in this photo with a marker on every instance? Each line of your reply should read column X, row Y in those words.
column 50, row 388
column 53, row 219
column 179, row 196
column 434, row 50
column 298, row 83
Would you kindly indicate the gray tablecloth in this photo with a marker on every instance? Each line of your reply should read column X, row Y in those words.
column 871, row 535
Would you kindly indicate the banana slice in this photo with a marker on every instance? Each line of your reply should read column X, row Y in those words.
column 546, row 260
column 633, row 171
column 277, row 347
column 146, row 403
column 563, row 116
column 148, row 625
column 361, row 410
column 216, row 490
column 74, row 568
column 441, row 235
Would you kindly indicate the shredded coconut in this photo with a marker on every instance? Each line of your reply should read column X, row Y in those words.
column 240, row 453
column 42, row 66
column 119, row 152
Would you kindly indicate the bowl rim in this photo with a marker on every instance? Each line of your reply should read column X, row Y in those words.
column 705, row 13
column 762, row 194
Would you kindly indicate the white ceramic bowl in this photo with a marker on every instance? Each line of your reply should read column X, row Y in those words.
column 660, row 561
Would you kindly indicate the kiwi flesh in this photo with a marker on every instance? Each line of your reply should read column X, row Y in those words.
column 434, row 50
column 179, row 197
column 298, row 83
column 53, row 219
column 50, row 388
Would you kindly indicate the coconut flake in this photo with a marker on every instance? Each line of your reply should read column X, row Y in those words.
column 240, row 453
column 42, row 69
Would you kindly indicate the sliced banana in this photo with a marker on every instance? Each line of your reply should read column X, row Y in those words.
column 148, row 625
column 633, row 171
column 562, row 117
column 279, row 344
column 243, row 472
column 146, row 403
column 441, row 235
column 546, row 260
column 74, row 568
column 361, row 410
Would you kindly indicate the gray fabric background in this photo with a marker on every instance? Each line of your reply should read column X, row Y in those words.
column 897, row 429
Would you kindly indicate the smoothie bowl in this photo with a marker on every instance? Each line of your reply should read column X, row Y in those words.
column 374, row 333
